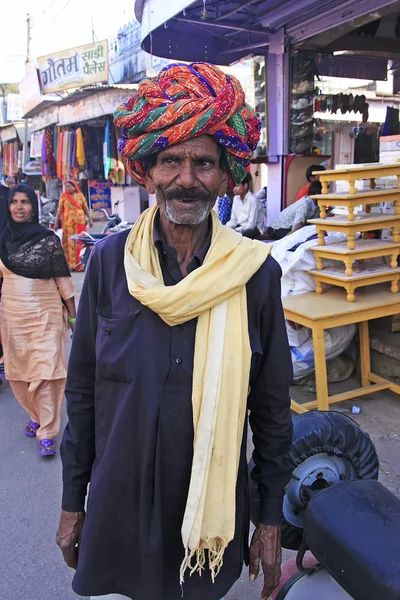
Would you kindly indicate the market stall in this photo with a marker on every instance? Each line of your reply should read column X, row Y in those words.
column 78, row 140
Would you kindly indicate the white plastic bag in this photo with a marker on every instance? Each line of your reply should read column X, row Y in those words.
column 295, row 280
column 337, row 340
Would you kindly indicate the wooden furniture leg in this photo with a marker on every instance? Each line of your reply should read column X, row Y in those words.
column 372, row 183
column 393, row 261
column 396, row 235
column 321, row 376
column 321, row 238
column 394, row 288
column 323, row 211
column 351, row 213
column 318, row 287
column 320, row 264
column 365, row 353
column 350, row 293
column 397, row 205
column 349, row 267
column 351, row 241
column 325, row 188
column 353, row 189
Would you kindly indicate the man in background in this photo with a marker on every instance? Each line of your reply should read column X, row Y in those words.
column 247, row 215
column 296, row 215
column 10, row 182
column 310, row 178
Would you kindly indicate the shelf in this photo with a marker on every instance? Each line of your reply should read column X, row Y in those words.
column 368, row 275
column 364, row 250
column 362, row 223
column 352, row 174
column 351, row 201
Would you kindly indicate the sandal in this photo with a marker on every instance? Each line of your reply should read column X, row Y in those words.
column 31, row 429
column 47, row 448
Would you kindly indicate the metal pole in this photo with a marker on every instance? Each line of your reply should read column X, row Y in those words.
column 25, row 154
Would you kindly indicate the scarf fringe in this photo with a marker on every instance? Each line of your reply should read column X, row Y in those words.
column 215, row 548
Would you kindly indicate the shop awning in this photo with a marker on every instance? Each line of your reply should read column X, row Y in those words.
column 13, row 131
column 224, row 31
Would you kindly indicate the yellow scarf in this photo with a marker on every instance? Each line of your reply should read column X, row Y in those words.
column 215, row 293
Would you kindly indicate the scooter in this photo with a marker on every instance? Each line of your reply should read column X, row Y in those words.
column 335, row 508
column 113, row 220
column 48, row 220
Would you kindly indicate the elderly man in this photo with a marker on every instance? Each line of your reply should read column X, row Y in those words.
column 180, row 332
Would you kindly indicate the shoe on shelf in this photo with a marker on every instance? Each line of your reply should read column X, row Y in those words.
column 302, row 132
column 302, row 103
column 302, row 119
column 305, row 87
column 303, row 147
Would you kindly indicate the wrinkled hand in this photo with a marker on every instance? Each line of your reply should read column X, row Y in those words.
column 266, row 547
column 69, row 536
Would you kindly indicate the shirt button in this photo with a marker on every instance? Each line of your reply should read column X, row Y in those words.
column 178, row 361
column 108, row 331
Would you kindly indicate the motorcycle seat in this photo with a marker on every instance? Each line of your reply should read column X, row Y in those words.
column 353, row 529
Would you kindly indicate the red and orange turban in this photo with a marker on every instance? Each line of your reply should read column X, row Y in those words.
column 183, row 102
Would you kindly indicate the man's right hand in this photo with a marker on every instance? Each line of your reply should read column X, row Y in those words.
column 69, row 535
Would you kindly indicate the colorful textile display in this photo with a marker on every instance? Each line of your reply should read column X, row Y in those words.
column 182, row 102
column 10, row 158
column 80, row 149
column 48, row 162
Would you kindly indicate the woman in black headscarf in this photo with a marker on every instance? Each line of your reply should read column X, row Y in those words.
column 37, row 293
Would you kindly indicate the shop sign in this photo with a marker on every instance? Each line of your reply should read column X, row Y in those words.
column 29, row 88
column 36, row 144
column 33, row 168
column 100, row 195
column 74, row 68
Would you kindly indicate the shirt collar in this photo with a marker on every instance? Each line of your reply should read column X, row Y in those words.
column 161, row 244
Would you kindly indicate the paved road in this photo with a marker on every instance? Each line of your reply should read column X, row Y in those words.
column 31, row 566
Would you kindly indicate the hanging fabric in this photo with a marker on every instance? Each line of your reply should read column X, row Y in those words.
column 80, row 149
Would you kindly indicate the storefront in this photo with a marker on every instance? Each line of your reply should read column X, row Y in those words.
column 300, row 41
column 76, row 139
column 11, row 139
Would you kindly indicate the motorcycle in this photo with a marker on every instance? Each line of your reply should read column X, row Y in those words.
column 88, row 240
column 333, row 488
column 48, row 209
column 48, row 220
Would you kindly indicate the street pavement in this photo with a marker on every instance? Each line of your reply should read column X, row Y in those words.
column 31, row 565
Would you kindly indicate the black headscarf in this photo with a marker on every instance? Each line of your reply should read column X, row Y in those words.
column 28, row 249
column 3, row 205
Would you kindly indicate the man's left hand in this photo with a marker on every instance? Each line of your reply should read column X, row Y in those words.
column 266, row 547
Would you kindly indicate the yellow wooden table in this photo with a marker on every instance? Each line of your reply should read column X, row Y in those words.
column 351, row 175
column 331, row 310
column 362, row 222
column 365, row 274
column 351, row 201
column 364, row 250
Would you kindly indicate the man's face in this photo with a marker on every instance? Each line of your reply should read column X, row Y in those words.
column 240, row 189
column 187, row 180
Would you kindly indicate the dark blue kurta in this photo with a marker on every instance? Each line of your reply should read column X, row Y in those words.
column 130, row 431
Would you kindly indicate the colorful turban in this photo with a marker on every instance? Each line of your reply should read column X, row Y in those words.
column 183, row 102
